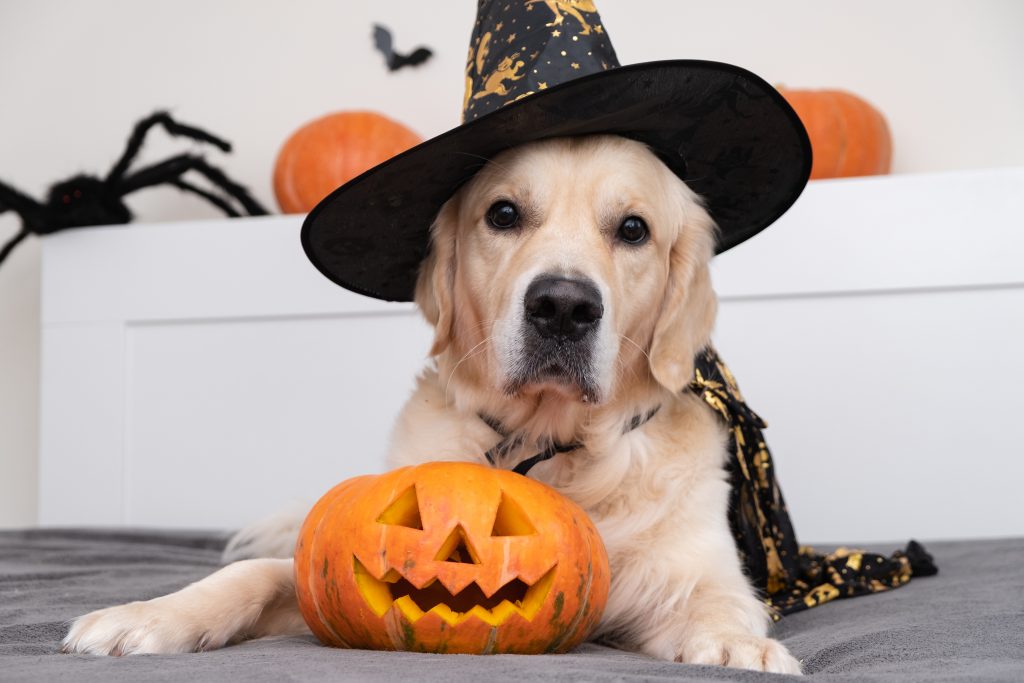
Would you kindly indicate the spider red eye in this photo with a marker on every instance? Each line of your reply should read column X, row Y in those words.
column 78, row 193
column 66, row 199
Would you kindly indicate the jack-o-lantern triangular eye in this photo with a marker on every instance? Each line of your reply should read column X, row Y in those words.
column 510, row 519
column 403, row 511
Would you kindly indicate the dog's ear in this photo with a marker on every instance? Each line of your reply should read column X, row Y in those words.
column 436, row 281
column 688, row 308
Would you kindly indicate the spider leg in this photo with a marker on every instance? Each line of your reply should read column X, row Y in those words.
column 208, row 196
column 171, row 126
column 168, row 171
column 27, row 209
column 12, row 243
column 12, row 200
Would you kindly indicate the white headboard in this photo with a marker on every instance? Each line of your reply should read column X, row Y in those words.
column 204, row 374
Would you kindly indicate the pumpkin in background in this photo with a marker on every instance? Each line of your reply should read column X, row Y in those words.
column 849, row 137
column 450, row 557
column 328, row 152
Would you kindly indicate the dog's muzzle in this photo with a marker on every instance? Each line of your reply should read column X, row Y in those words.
column 561, row 317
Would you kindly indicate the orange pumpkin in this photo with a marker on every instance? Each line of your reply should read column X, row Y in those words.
column 328, row 152
column 849, row 137
column 450, row 557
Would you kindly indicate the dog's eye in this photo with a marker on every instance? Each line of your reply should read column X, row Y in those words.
column 503, row 215
column 633, row 230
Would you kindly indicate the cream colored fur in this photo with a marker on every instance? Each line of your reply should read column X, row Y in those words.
column 658, row 494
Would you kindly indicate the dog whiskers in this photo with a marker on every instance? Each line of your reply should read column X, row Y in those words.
column 469, row 354
column 620, row 364
column 480, row 326
column 487, row 161
column 639, row 348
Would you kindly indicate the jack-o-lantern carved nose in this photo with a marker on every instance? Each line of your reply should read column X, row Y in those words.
column 457, row 548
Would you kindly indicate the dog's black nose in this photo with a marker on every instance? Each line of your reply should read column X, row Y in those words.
column 560, row 307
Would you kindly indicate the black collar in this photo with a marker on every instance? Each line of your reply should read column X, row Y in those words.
column 510, row 441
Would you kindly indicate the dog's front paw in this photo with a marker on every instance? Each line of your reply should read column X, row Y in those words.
column 739, row 650
column 152, row 627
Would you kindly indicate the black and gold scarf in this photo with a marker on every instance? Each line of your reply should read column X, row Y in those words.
column 792, row 577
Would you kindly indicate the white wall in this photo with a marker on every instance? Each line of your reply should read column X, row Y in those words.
column 19, row 385
column 75, row 76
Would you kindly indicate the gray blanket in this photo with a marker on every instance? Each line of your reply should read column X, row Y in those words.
column 968, row 622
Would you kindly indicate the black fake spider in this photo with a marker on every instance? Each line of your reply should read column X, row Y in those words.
column 87, row 200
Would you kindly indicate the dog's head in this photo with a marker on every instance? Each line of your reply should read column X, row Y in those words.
column 569, row 266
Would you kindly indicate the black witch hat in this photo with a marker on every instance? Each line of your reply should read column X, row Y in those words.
column 546, row 68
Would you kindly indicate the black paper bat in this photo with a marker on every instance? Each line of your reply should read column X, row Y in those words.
column 382, row 39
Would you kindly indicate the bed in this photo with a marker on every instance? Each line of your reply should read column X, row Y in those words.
column 967, row 622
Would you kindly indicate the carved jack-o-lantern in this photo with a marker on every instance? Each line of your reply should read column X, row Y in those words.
column 450, row 557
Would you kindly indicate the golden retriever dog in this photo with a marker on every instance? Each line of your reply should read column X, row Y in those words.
column 569, row 290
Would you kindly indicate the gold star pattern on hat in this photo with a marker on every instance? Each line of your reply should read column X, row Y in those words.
column 564, row 42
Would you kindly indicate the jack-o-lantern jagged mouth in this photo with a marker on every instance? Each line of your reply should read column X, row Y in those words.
column 515, row 597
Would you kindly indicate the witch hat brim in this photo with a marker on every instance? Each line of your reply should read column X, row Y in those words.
column 726, row 132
